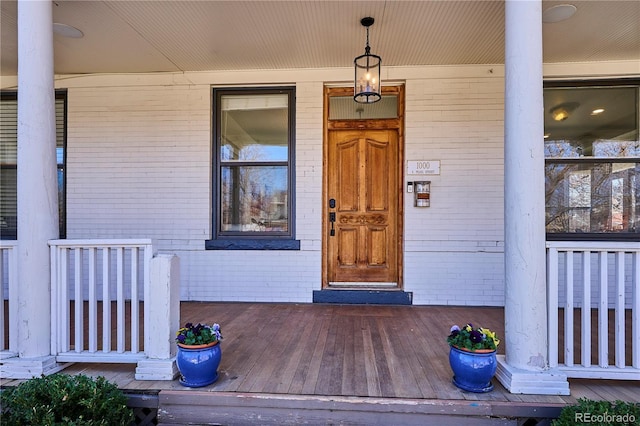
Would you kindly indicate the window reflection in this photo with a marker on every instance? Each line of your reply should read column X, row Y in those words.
column 254, row 128
column 254, row 199
column 592, row 160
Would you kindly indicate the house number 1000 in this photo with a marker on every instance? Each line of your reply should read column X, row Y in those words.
column 423, row 167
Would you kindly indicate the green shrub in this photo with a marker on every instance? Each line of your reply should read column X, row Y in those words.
column 61, row 399
column 599, row 413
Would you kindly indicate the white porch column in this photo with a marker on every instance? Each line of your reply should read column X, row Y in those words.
column 37, row 186
column 525, row 369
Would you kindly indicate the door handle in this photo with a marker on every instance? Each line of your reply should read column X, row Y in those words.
column 332, row 217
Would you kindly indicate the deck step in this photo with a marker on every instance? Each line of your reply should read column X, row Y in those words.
column 363, row 297
column 192, row 406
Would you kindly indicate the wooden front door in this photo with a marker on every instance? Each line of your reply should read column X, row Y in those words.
column 362, row 221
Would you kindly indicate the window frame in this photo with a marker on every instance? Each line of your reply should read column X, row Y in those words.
column 246, row 240
column 60, row 94
column 593, row 236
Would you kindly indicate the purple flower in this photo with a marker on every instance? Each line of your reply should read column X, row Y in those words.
column 476, row 336
column 181, row 338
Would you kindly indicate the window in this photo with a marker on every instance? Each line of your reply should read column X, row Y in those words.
column 344, row 108
column 253, row 169
column 8, row 162
column 592, row 161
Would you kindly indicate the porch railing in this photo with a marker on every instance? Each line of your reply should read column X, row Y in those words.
column 98, row 292
column 8, row 299
column 594, row 306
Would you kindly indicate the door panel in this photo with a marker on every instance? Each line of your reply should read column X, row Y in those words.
column 377, row 161
column 347, row 154
column 348, row 247
column 362, row 168
column 377, row 246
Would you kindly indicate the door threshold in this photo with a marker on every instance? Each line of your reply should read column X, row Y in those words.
column 364, row 284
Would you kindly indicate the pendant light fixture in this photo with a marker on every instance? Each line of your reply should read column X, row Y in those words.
column 367, row 85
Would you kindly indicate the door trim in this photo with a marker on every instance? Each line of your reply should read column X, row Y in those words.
column 371, row 124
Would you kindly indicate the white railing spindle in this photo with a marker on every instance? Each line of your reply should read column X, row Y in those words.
column 635, row 314
column 55, row 283
column 63, row 301
column 603, row 313
column 147, row 294
column 586, row 309
column 8, row 269
column 568, row 310
column 106, row 300
column 93, row 301
column 619, row 311
column 552, row 297
column 78, row 301
column 2, row 298
column 120, row 299
column 135, row 302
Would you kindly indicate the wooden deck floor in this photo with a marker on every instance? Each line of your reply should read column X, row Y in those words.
column 364, row 351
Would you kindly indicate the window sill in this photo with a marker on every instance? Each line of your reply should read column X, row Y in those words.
column 252, row 244
column 593, row 236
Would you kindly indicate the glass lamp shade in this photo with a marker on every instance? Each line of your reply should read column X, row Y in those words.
column 367, row 85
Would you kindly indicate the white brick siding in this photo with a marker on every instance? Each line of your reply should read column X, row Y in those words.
column 454, row 248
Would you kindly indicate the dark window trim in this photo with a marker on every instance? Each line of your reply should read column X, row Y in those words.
column 583, row 160
column 59, row 94
column 251, row 240
column 592, row 236
column 605, row 82
column 252, row 244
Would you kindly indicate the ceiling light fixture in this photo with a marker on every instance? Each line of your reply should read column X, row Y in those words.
column 558, row 13
column 561, row 112
column 67, row 30
column 597, row 111
column 366, row 88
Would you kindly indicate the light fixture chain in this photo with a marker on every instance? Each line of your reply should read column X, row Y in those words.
column 367, row 46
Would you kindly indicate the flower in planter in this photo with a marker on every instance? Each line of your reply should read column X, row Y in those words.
column 472, row 339
column 199, row 334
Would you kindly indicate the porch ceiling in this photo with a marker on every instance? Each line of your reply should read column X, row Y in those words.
column 182, row 35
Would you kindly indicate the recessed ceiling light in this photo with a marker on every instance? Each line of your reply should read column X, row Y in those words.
column 597, row 111
column 546, row 135
column 558, row 13
column 67, row 30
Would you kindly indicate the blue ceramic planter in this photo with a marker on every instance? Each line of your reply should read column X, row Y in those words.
column 473, row 371
column 198, row 365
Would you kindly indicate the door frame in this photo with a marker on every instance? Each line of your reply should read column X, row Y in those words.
column 370, row 124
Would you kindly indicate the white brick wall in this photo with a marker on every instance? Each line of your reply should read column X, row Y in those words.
column 454, row 248
column 138, row 165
